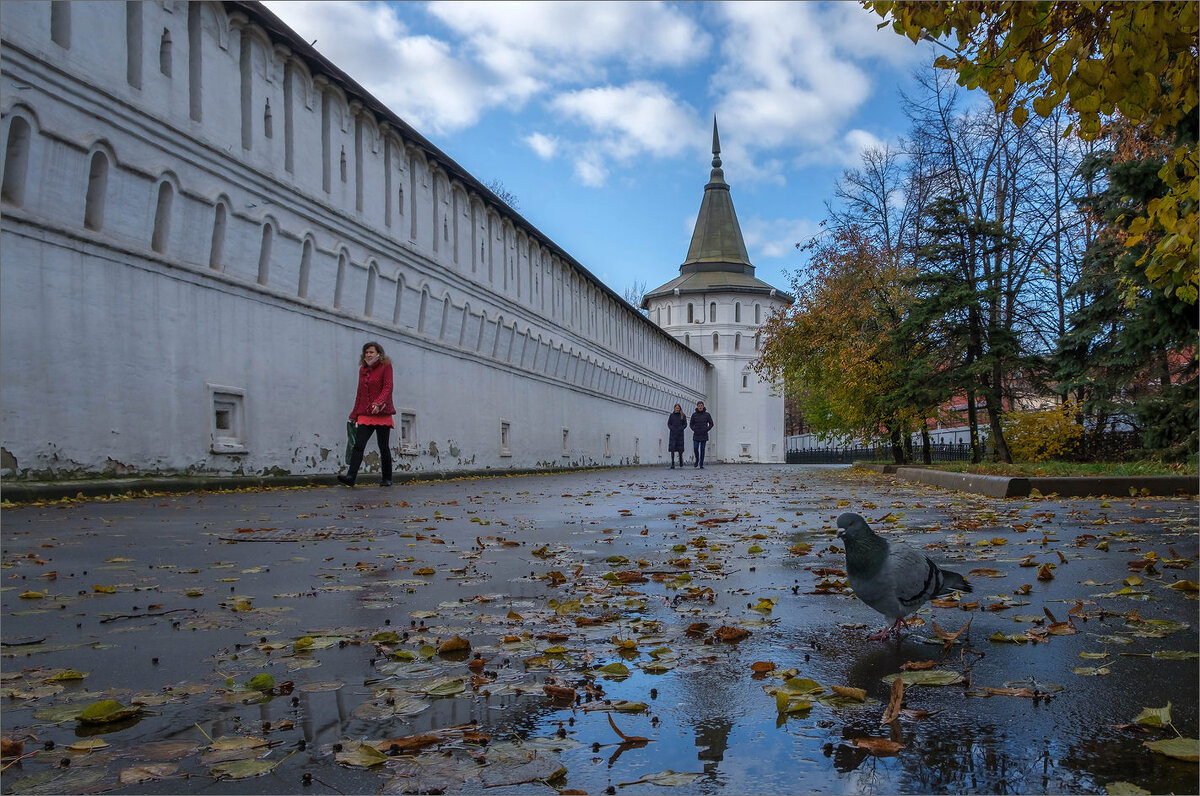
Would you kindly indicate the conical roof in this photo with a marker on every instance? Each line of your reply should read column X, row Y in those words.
column 716, row 259
column 717, row 243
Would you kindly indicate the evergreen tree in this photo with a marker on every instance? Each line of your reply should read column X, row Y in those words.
column 1130, row 351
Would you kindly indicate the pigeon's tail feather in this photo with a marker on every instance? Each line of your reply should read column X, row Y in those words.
column 952, row 581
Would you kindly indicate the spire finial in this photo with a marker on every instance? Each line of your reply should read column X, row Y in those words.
column 716, row 145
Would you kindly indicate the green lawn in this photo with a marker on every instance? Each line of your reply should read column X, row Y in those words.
column 1145, row 467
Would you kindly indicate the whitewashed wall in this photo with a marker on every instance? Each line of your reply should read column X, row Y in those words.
column 170, row 245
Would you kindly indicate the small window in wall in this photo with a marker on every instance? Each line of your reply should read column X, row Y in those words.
column 715, row 341
column 608, row 445
column 758, row 313
column 408, row 433
column 133, row 43
column 228, row 420
column 745, row 450
column 691, row 313
column 306, row 254
column 264, row 254
column 712, row 312
column 97, row 190
column 16, row 161
column 268, row 122
column 687, row 340
column 737, row 342
column 162, row 217
column 60, row 23
column 217, row 247
column 505, row 438
column 668, row 315
column 164, row 53
column 566, row 442
column 746, row 381
column 737, row 312
column 343, row 164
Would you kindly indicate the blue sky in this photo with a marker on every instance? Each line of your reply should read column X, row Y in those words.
column 597, row 116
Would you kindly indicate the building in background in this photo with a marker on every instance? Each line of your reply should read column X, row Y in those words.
column 715, row 307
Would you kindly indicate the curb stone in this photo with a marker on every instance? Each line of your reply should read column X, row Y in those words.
column 1064, row 486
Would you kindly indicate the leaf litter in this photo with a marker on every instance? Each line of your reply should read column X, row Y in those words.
column 633, row 592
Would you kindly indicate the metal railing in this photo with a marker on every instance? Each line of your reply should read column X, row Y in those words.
column 1110, row 446
column 939, row 452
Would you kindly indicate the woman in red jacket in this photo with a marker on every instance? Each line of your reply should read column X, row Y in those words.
column 372, row 411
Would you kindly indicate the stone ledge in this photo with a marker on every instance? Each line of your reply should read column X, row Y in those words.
column 1077, row 486
column 28, row 491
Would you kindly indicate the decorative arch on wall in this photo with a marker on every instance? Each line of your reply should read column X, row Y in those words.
column 165, row 189
column 100, row 159
column 264, row 252
column 372, row 281
column 343, row 265
column 254, row 58
column 466, row 319
column 424, row 309
column 216, row 247
column 412, row 156
column 499, row 329
column 399, row 305
column 20, row 137
column 307, row 248
column 60, row 24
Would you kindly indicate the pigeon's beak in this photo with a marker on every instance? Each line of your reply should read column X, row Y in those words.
column 841, row 534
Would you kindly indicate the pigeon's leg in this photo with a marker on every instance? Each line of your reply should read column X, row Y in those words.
column 894, row 630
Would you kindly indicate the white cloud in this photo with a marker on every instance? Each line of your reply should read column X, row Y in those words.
column 856, row 32
column 631, row 120
column 573, row 41
column 589, row 169
column 795, row 74
column 772, row 238
column 418, row 77
column 544, row 146
column 845, row 152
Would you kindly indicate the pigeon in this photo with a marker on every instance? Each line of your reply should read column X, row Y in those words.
column 893, row 579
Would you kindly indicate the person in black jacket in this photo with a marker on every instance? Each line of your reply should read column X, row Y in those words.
column 676, row 423
column 701, row 423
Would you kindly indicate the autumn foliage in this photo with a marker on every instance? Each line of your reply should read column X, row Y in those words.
column 832, row 347
column 1132, row 59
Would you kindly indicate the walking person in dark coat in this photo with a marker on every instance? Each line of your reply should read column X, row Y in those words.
column 701, row 423
column 372, row 411
column 676, row 423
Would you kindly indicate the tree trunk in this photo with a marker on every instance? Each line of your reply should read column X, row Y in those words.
column 926, row 453
column 973, row 425
column 993, row 395
column 897, row 447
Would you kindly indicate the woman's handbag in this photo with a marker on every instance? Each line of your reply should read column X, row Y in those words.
column 351, row 438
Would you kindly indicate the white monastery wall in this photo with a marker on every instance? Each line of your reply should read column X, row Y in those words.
column 203, row 221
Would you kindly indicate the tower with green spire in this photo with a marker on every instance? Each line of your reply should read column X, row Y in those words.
column 716, row 306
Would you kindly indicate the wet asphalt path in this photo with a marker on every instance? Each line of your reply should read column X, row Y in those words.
column 171, row 604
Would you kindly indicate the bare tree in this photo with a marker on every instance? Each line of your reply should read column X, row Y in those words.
column 503, row 194
column 634, row 294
